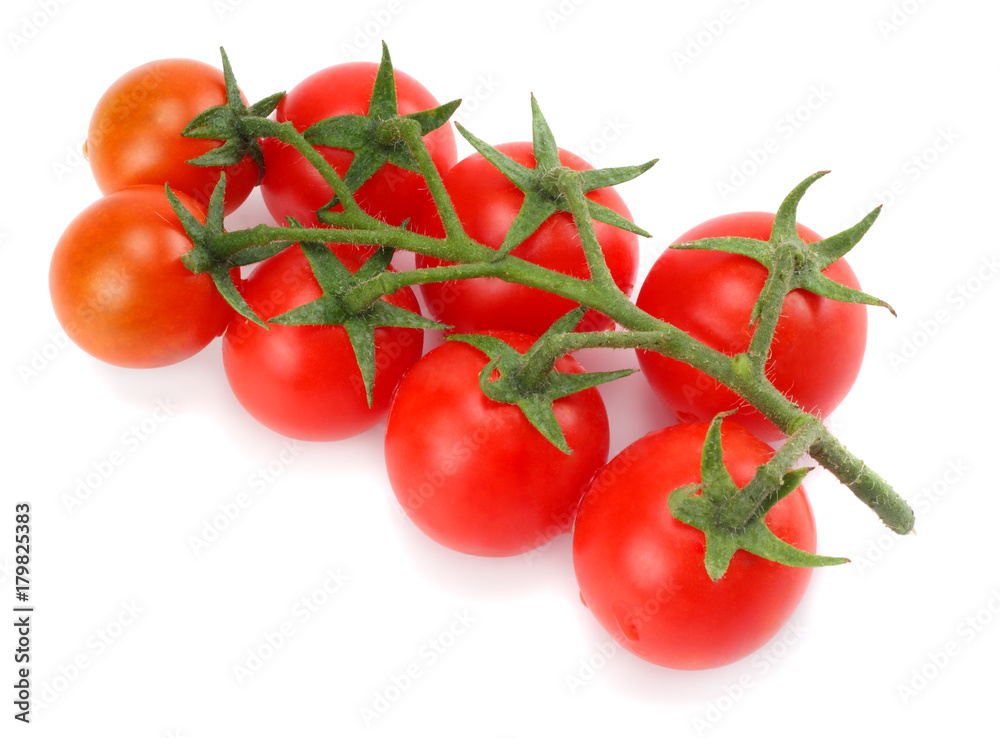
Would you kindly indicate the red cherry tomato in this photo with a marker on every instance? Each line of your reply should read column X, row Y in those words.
column 641, row 572
column 292, row 186
column 474, row 474
column 487, row 203
column 303, row 381
column 135, row 132
column 818, row 344
column 119, row 287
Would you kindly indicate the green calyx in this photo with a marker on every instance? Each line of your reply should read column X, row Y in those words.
column 706, row 511
column 227, row 123
column 332, row 308
column 206, row 256
column 376, row 138
column 807, row 261
column 530, row 380
column 544, row 185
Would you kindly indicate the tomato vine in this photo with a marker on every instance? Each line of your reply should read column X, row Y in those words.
column 729, row 512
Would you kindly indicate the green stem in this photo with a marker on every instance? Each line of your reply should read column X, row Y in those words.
column 453, row 228
column 288, row 134
column 231, row 242
column 650, row 334
column 739, row 510
column 866, row 485
column 768, row 309
column 388, row 283
column 642, row 330
column 571, row 186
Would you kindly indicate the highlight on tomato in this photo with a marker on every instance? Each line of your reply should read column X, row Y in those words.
column 642, row 573
column 119, row 288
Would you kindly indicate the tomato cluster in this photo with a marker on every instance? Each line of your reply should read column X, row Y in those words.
column 471, row 471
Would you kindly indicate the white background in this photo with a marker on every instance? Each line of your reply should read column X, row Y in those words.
column 136, row 634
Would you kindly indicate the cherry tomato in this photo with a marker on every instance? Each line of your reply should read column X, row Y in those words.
column 292, row 186
column 473, row 473
column 487, row 203
column 641, row 572
column 119, row 288
column 818, row 344
column 303, row 381
column 135, row 132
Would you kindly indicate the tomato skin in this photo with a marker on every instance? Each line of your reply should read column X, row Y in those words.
column 293, row 187
column 303, row 381
column 474, row 474
column 487, row 203
column 135, row 132
column 641, row 572
column 119, row 288
column 818, row 345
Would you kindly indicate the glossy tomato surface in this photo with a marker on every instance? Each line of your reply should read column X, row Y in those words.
column 135, row 132
column 474, row 474
column 487, row 204
column 303, row 381
column 293, row 187
column 119, row 287
column 641, row 572
column 818, row 345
